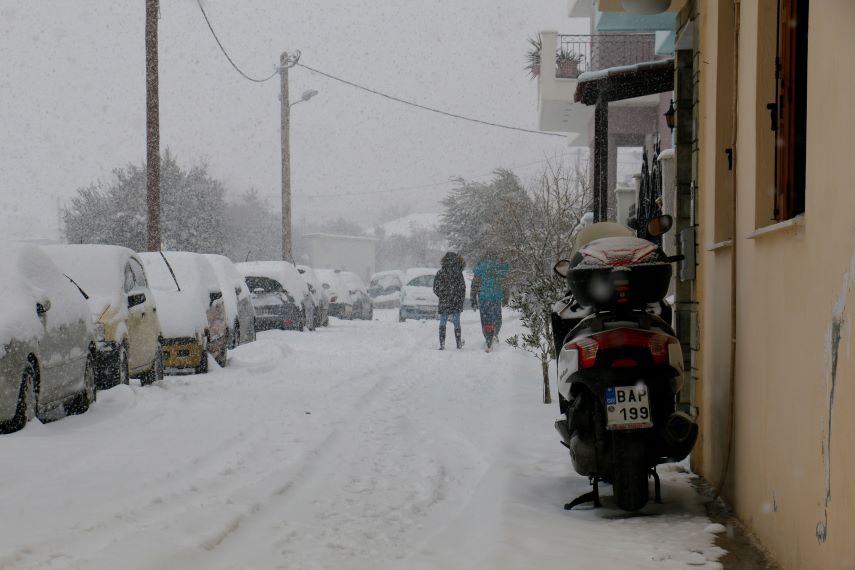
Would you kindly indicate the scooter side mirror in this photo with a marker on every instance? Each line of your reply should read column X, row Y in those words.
column 660, row 225
column 562, row 268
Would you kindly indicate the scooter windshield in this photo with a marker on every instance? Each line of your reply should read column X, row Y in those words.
column 598, row 231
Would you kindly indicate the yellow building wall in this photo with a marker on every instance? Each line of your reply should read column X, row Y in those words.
column 792, row 478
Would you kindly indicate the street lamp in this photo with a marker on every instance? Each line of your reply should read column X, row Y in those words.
column 305, row 96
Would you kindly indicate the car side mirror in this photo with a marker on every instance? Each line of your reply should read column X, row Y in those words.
column 660, row 225
column 562, row 268
column 216, row 295
column 43, row 307
column 237, row 291
column 136, row 299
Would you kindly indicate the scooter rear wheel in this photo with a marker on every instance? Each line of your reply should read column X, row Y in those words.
column 630, row 470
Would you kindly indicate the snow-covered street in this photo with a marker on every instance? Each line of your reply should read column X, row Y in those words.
column 356, row 446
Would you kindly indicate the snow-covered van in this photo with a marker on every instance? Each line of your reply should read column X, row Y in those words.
column 191, row 309
column 127, row 327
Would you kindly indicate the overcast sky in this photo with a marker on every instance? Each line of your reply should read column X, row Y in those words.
column 72, row 94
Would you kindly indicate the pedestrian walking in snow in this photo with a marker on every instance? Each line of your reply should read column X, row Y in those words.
column 450, row 287
column 490, row 273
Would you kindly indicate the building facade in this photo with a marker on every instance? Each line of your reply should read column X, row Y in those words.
column 765, row 107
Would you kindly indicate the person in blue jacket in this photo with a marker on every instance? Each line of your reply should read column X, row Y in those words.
column 490, row 273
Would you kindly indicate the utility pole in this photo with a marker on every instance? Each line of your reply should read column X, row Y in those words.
column 284, row 64
column 152, row 106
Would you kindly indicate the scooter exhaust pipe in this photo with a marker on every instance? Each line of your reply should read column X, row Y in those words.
column 680, row 432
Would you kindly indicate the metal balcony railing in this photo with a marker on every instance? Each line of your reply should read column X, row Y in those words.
column 581, row 53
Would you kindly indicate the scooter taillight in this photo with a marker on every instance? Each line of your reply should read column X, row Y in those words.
column 588, row 347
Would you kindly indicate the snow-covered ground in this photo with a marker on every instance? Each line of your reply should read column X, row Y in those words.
column 356, row 446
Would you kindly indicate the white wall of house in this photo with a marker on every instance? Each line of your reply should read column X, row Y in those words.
column 348, row 253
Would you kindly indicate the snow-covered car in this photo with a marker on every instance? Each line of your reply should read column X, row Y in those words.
column 240, row 314
column 341, row 302
column 362, row 306
column 385, row 289
column 190, row 307
column 319, row 295
column 47, row 347
column 279, row 294
column 418, row 300
column 127, row 327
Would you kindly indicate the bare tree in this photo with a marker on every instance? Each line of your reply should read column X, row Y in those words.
column 559, row 197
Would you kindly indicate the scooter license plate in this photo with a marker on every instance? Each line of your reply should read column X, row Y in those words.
column 628, row 407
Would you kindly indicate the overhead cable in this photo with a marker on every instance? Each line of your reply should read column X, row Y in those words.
column 225, row 53
column 425, row 107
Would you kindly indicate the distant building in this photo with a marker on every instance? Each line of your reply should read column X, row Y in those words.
column 348, row 253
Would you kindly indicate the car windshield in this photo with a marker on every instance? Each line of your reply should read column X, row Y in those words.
column 266, row 285
column 421, row 281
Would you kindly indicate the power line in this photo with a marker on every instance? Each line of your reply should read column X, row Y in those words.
column 425, row 107
column 424, row 186
column 225, row 53
column 367, row 89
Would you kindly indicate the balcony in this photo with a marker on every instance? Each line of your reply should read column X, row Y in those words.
column 574, row 55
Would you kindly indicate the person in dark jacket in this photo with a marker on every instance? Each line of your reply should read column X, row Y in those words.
column 450, row 287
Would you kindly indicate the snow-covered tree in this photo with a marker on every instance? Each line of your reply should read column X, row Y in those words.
column 530, row 228
column 253, row 229
column 192, row 209
column 558, row 200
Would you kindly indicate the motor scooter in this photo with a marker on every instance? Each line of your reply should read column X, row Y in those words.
column 620, row 365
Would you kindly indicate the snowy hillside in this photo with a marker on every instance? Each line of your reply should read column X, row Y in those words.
column 405, row 226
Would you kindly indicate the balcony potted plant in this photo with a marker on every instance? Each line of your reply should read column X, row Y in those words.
column 532, row 56
column 568, row 63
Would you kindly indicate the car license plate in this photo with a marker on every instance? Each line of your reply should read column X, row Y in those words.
column 628, row 407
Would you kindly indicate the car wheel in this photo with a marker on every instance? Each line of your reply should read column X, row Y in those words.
column 155, row 374
column 119, row 374
column 27, row 402
column 81, row 402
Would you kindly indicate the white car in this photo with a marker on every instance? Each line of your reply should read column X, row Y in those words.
column 240, row 314
column 341, row 301
column 319, row 295
column 418, row 300
column 385, row 288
